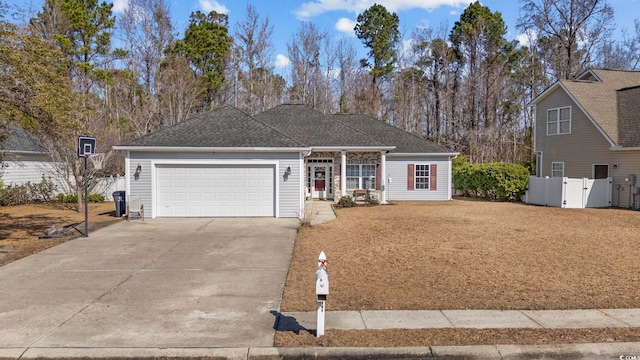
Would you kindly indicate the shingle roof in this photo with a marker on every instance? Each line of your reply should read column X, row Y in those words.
column 600, row 99
column 289, row 125
column 405, row 142
column 313, row 127
column 224, row 127
column 18, row 139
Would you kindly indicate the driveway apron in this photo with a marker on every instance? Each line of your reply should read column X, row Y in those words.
column 154, row 283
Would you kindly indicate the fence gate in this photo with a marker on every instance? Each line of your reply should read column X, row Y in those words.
column 569, row 192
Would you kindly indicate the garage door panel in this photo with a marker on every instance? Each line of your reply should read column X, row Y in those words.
column 199, row 190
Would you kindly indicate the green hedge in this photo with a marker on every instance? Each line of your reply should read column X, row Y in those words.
column 495, row 181
column 72, row 198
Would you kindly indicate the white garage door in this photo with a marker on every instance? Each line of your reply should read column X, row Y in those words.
column 199, row 191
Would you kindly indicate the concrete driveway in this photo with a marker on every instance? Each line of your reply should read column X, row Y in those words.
column 158, row 283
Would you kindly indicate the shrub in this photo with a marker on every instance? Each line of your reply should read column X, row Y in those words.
column 495, row 181
column 96, row 198
column 73, row 198
column 68, row 199
column 14, row 195
column 347, row 201
column 370, row 200
column 26, row 193
column 43, row 190
column 309, row 215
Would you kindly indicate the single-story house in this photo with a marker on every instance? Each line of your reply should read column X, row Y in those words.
column 589, row 127
column 229, row 163
column 24, row 158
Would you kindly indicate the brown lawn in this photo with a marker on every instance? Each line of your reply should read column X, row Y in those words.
column 20, row 226
column 467, row 254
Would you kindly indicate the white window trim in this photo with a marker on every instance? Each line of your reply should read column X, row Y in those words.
column 558, row 121
column 557, row 162
column 360, row 177
column 415, row 176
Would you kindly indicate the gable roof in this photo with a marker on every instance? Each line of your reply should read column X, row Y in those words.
column 596, row 93
column 292, row 126
column 19, row 140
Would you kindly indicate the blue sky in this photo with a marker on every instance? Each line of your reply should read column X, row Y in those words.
column 338, row 17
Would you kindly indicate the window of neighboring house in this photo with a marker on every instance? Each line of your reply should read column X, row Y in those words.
column 600, row 171
column 557, row 169
column 559, row 121
column 422, row 176
column 361, row 176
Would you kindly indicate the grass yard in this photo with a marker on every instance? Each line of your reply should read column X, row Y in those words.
column 467, row 254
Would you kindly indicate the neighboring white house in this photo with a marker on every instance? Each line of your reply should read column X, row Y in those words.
column 24, row 159
column 229, row 163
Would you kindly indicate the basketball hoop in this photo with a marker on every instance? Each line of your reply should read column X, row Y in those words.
column 96, row 160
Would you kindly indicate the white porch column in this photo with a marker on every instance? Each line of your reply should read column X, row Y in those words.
column 383, row 175
column 343, row 173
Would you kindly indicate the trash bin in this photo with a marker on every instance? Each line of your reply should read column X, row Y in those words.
column 119, row 198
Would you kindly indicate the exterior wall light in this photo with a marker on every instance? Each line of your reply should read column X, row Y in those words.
column 288, row 170
column 138, row 170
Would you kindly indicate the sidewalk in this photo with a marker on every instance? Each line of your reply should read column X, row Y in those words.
column 476, row 319
column 321, row 211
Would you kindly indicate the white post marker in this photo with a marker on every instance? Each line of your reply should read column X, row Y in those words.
column 322, row 290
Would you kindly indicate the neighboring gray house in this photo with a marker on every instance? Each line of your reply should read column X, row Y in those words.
column 589, row 127
column 24, row 159
column 228, row 163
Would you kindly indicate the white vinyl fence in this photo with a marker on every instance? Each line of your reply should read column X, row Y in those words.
column 106, row 186
column 569, row 192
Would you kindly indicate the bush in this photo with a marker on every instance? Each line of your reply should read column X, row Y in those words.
column 67, row 199
column 347, row 201
column 96, row 198
column 43, row 190
column 495, row 181
column 26, row 193
column 370, row 200
column 73, row 198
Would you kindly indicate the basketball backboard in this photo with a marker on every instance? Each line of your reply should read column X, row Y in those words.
column 86, row 146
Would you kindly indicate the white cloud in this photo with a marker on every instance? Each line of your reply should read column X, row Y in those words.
column 346, row 26
column 317, row 7
column 212, row 5
column 527, row 37
column 120, row 5
column 282, row 61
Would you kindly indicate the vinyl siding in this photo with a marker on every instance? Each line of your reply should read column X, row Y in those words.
column 580, row 149
column 31, row 168
column 397, row 171
column 628, row 163
column 289, row 191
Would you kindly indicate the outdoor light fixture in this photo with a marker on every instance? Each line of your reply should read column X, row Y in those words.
column 288, row 170
column 138, row 169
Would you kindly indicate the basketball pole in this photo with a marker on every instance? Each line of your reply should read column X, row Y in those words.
column 86, row 200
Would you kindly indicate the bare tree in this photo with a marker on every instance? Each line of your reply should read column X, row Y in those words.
column 254, row 53
column 346, row 66
column 304, row 50
column 575, row 28
column 147, row 32
column 178, row 91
